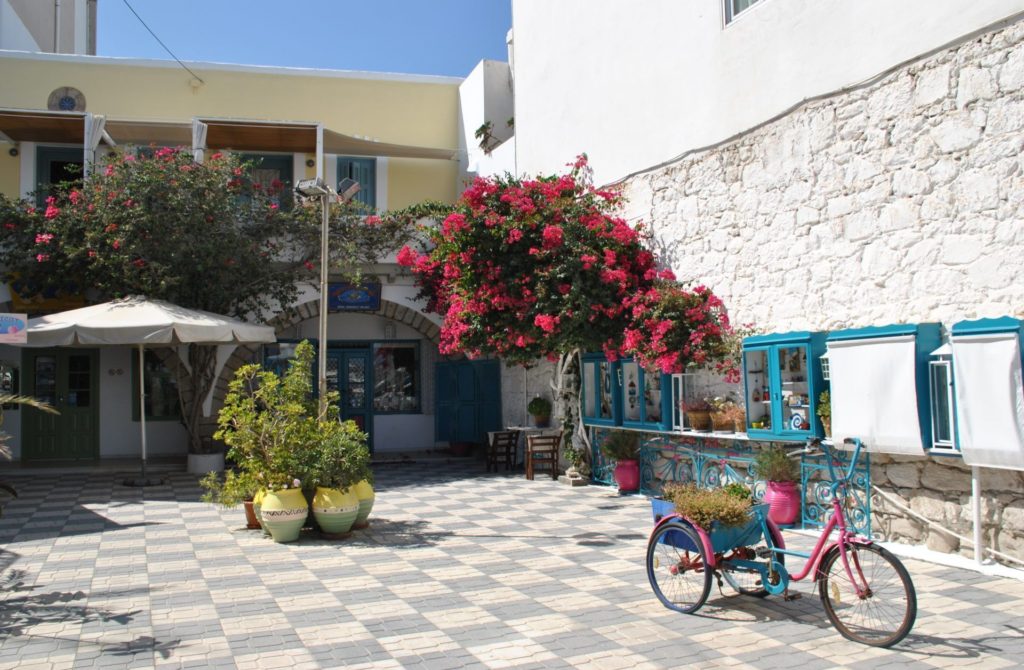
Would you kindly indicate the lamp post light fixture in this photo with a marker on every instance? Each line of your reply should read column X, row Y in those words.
column 317, row 188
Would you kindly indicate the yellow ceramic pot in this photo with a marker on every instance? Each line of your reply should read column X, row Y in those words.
column 335, row 510
column 257, row 508
column 283, row 513
column 365, row 494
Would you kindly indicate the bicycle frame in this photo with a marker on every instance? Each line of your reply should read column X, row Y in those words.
column 845, row 538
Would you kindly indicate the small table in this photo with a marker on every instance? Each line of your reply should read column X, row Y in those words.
column 530, row 430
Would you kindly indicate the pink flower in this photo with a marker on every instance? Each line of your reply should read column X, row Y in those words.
column 42, row 258
column 546, row 322
column 44, row 238
column 373, row 220
column 92, row 253
column 51, row 212
column 75, row 197
column 108, row 171
column 138, row 262
column 514, row 235
column 116, row 244
column 406, row 256
column 217, row 156
column 307, row 265
column 552, row 237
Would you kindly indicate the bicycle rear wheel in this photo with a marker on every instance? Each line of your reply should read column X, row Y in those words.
column 677, row 567
column 885, row 613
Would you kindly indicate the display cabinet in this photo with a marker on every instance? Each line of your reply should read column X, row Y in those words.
column 782, row 381
column 646, row 397
column 602, row 404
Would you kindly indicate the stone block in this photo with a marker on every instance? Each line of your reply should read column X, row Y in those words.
column 942, row 542
column 904, row 475
column 879, row 260
column 929, row 505
column 943, row 478
column 904, row 528
column 860, row 226
column 1013, row 516
column 932, row 85
column 955, row 133
column 1011, row 73
column 961, row 249
column 910, row 182
column 975, row 84
column 976, row 191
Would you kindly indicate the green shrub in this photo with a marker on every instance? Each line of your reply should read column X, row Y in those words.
column 775, row 465
column 621, row 445
column 705, row 506
column 738, row 490
column 539, row 407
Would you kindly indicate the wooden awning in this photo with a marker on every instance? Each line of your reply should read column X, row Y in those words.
column 26, row 125
column 260, row 135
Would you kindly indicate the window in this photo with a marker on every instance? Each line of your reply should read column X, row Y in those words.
column 277, row 357
column 364, row 171
column 734, row 7
column 396, row 377
column 940, row 381
column 274, row 174
column 161, row 389
column 56, row 165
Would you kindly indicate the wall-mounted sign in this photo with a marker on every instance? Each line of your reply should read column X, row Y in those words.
column 12, row 328
column 345, row 297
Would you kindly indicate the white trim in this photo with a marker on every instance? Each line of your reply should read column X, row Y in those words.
column 331, row 170
column 27, row 176
column 234, row 67
column 81, row 26
column 381, row 175
column 319, row 151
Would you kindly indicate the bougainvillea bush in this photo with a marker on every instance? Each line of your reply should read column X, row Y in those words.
column 532, row 268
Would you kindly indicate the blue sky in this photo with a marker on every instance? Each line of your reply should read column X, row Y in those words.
column 445, row 37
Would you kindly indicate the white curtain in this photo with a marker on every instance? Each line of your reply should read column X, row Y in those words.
column 198, row 139
column 990, row 399
column 94, row 124
column 874, row 393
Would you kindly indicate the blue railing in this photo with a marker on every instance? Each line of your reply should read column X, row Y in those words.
column 715, row 460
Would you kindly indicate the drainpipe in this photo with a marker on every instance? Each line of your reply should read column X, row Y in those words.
column 56, row 26
column 979, row 551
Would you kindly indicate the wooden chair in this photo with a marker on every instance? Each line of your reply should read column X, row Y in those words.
column 542, row 450
column 502, row 443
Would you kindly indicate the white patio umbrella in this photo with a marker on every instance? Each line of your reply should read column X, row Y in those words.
column 138, row 321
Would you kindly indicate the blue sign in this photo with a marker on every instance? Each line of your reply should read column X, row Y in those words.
column 12, row 328
column 345, row 297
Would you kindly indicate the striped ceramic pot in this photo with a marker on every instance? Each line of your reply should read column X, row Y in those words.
column 365, row 494
column 335, row 510
column 283, row 513
column 257, row 508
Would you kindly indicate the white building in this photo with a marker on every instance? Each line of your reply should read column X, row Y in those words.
column 821, row 165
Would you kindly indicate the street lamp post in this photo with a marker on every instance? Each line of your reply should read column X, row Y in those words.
column 316, row 188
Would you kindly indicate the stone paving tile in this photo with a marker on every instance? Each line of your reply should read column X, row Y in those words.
column 457, row 570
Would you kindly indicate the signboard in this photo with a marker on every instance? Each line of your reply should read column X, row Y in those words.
column 345, row 297
column 12, row 328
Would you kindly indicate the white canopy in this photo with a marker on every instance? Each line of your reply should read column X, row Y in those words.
column 138, row 321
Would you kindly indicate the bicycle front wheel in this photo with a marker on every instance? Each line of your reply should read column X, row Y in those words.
column 884, row 612
column 677, row 567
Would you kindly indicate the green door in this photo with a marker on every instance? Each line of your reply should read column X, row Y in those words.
column 348, row 372
column 68, row 380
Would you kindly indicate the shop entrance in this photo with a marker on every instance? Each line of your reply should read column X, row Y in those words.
column 68, row 380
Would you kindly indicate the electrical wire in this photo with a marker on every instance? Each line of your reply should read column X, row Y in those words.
column 132, row 10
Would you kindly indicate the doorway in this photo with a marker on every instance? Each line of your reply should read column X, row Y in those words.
column 348, row 373
column 68, row 380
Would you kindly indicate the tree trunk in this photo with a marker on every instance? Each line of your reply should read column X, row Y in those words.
column 194, row 383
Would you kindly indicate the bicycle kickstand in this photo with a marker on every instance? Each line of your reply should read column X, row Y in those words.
column 795, row 595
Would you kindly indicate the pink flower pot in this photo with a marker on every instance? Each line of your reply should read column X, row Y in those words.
column 784, row 501
column 627, row 476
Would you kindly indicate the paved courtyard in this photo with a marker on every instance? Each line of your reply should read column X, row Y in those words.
column 458, row 569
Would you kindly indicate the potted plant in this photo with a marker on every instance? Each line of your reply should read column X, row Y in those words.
column 722, row 413
column 724, row 514
column 623, row 447
column 272, row 429
column 698, row 414
column 208, row 458
column 540, row 409
column 339, row 463
column 824, row 412
column 781, row 473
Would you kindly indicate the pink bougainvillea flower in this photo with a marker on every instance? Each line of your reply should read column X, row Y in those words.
column 373, row 220
column 42, row 258
column 44, row 238
column 308, row 265
column 51, row 212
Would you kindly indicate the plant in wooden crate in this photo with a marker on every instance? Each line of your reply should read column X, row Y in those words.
column 623, row 447
column 698, row 413
column 781, row 472
column 724, row 412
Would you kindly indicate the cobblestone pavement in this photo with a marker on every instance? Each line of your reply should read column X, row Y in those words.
column 458, row 569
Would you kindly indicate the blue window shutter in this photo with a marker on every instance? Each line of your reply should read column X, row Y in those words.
column 364, row 171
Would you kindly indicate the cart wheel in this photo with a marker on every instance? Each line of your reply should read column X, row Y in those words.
column 676, row 567
column 748, row 582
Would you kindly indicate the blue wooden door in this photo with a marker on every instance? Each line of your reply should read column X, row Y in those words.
column 348, row 372
column 467, row 400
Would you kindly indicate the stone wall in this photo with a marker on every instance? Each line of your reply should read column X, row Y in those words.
column 899, row 200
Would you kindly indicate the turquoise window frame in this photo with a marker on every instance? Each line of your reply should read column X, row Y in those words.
column 363, row 170
column 594, row 361
column 665, row 401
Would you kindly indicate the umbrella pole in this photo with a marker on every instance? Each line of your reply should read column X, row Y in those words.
column 142, row 406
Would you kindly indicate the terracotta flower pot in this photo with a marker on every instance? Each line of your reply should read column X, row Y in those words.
column 251, row 522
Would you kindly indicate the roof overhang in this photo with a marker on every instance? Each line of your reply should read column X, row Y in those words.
column 144, row 133
column 338, row 143
column 27, row 125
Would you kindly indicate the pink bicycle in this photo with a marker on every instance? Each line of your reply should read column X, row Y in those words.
column 867, row 593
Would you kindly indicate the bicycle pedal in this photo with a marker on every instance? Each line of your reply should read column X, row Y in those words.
column 796, row 595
